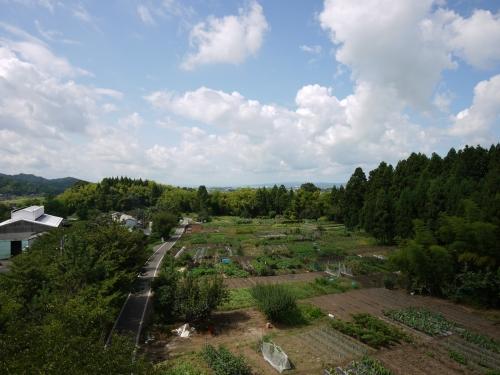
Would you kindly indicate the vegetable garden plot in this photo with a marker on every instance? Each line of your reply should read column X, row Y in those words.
column 371, row 330
column 430, row 358
column 200, row 254
column 325, row 343
column 365, row 366
column 471, row 355
column 476, row 351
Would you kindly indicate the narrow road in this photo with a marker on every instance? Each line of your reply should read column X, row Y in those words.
column 131, row 318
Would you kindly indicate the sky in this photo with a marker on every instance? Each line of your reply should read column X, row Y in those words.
column 242, row 92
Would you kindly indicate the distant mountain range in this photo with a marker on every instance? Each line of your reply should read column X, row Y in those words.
column 288, row 185
column 28, row 184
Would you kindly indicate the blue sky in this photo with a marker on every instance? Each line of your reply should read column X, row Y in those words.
column 239, row 92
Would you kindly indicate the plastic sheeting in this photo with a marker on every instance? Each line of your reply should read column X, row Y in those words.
column 275, row 356
column 183, row 331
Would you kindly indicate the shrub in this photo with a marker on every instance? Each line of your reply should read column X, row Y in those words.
column 389, row 282
column 196, row 298
column 187, row 297
column 275, row 301
column 223, row 362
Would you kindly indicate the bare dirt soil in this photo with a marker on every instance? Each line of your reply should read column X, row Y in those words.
column 248, row 282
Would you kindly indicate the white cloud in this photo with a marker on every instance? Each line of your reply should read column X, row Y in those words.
column 50, row 124
column 315, row 49
column 82, row 14
column 149, row 11
column 230, row 39
column 321, row 133
column 389, row 43
column 53, row 35
column 133, row 120
column 145, row 15
column 477, row 38
column 483, row 115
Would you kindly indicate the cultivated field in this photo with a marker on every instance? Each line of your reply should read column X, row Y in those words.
column 251, row 252
column 243, row 248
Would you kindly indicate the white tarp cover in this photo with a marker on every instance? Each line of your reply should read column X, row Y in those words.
column 183, row 331
column 275, row 356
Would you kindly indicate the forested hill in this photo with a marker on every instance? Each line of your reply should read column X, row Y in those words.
column 25, row 184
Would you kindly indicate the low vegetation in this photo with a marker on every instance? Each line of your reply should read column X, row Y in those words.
column 436, row 324
column 370, row 330
column 423, row 320
column 365, row 366
column 223, row 362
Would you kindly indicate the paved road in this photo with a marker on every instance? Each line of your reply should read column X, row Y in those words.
column 131, row 318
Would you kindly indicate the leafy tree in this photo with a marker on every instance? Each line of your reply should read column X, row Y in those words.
column 163, row 223
column 354, row 196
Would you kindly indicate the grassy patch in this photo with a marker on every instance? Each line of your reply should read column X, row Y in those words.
column 238, row 299
column 186, row 364
column 242, row 298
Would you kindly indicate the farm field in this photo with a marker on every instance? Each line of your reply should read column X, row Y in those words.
column 247, row 248
column 316, row 346
column 247, row 282
column 301, row 257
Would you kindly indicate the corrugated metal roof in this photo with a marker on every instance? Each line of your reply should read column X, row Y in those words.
column 48, row 220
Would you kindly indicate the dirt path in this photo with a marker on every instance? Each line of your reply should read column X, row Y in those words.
column 248, row 282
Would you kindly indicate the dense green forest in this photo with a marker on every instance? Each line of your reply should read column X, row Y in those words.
column 28, row 184
column 60, row 299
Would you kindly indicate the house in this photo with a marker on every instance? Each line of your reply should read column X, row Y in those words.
column 127, row 220
column 25, row 224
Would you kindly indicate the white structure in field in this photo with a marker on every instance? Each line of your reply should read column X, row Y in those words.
column 127, row 220
column 275, row 356
column 24, row 224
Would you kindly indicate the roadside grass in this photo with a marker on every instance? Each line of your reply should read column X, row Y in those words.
column 242, row 298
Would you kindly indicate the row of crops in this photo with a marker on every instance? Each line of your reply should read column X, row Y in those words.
column 435, row 324
column 476, row 351
column 365, row 366
column 371, row 330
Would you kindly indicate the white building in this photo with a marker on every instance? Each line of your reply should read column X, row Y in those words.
column 24, row 224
